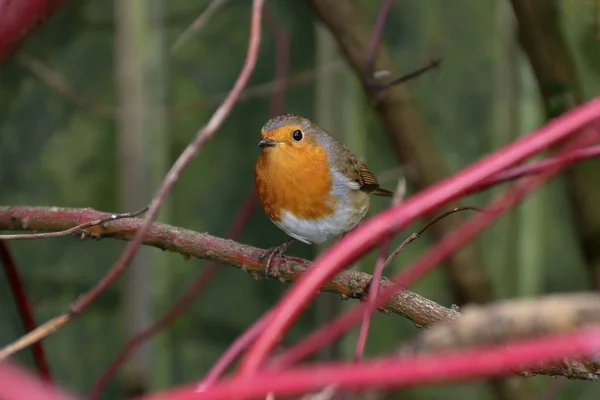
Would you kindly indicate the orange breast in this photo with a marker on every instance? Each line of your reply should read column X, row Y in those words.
column 296, row 180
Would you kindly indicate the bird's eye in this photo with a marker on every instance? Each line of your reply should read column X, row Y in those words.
column 297, row 135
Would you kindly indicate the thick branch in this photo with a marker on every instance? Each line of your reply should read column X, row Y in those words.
column 349, row 284
column 518, row 319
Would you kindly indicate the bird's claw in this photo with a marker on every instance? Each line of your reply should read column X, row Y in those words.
column 275, row 253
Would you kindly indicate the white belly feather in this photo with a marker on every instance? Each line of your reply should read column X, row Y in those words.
column 351, row 207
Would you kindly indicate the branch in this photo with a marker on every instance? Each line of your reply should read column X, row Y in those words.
column 198, row 24
column 76, row 229
column 517, row 319
column 349, row 284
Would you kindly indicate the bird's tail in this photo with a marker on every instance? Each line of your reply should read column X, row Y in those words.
column 379, row 191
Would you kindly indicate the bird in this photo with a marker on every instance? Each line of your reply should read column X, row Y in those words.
column 310, row 184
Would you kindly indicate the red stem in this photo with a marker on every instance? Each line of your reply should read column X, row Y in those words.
column 367, row 235
column 24, row 308
column 373, row 291
column 19, row 18
column 396, row 372
column 539, row 166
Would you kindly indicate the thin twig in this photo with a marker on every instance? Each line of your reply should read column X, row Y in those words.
column 60, row 84
column 24, row 307
column 434, row 63
column 198, row 24
column 417, row 234
column 202, row 136
column 369, row 72
column 57, row 82
column 75, row 229
column 375, row 39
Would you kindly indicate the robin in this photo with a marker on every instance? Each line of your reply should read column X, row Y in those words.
column 309, row 184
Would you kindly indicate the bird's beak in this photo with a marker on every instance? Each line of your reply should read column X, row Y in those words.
column 267, row 143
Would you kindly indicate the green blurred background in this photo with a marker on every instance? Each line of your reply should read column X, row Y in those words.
column 78, row 130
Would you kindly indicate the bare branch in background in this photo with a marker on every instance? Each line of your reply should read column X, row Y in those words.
column 198, row 24
column 370, row 74
column 57, row 82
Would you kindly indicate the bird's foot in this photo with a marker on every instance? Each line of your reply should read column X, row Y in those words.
column 274, row 256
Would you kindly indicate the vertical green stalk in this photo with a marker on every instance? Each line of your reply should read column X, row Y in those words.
column 532, row 225
column 507, row 78
column 156, row 144
column 142, row 150
column 329, row 116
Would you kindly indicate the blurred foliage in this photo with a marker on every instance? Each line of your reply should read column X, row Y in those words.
column 55, row 152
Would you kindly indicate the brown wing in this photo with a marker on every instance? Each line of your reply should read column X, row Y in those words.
column 368, row 182
column 366, row 177
column 348, row 164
